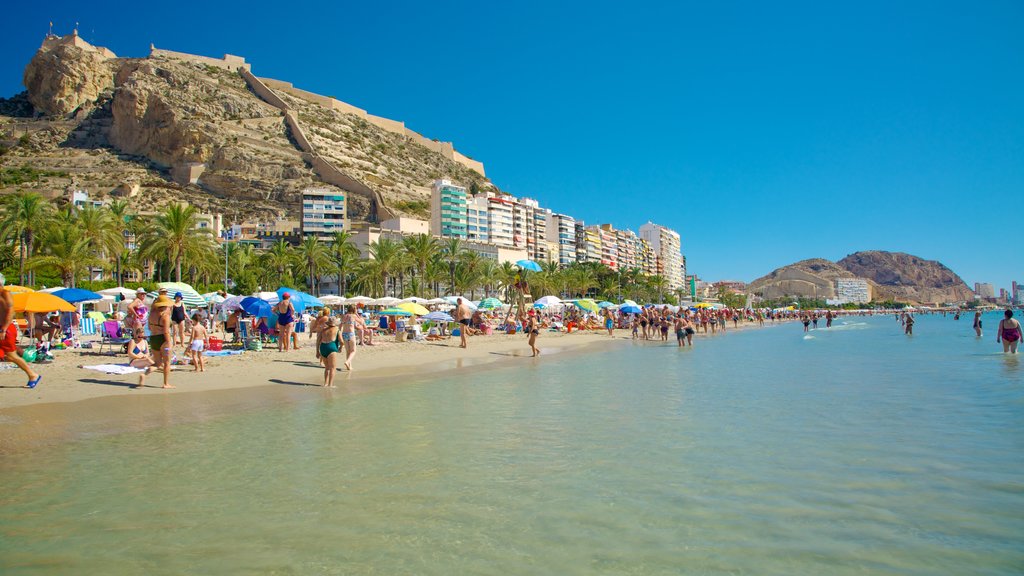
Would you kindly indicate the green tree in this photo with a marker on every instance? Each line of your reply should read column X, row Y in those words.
column 173, row 236
column 119, row 218
column 103, row 237
column 421, row 249
column 23, row 215
column 452, row 250
column 387, row 258
column 313, row 255
column 343, row 255
column 277, row 263
column 66, row 252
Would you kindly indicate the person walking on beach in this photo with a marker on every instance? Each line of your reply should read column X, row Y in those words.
column 285, row 317
column 9, row 336
column 328, row 344
column 198, row 339
column 977, row 324
column 1009, row 332
column 349, row 324
column 160, row 334
column 609, row 321
column 462, row 316
column 532, row 329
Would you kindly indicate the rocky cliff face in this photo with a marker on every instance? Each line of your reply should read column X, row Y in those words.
column 906, row 277
column 136, row 121
column 63, row 77
column 891, row 275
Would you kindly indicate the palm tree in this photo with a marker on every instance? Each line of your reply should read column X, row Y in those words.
column 23, row 214
column 452, row 251
column 421, row 249
column 241, row 258
column 173, row 235
column 98, row 229
column 343, row 254
column 277, row 263
column 119, row 217
column 313, row 255
column 67, row 252
column 387, row 257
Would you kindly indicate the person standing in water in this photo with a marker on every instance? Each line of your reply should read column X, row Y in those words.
column 908, row 325
column 9, row 336
column 977, row 324
column 349, row 324
column 328, row 344
column 1009, row 332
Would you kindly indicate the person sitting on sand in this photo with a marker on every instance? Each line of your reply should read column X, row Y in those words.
column 139, row 356
column 197, row 344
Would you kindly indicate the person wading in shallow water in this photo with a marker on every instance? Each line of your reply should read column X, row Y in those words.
column 1009, row 332
column 9, row 336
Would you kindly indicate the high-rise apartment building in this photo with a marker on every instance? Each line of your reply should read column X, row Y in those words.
column 984, row 290
column 666, row 245
column 323, row 212
column 448, row 206
column 561, row 229
column 478, row 219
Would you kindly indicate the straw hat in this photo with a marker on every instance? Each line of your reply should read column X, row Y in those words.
column 162, row 301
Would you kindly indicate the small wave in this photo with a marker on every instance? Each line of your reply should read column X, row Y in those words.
column 808, row 337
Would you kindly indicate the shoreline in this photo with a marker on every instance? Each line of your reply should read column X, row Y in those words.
column 73, row 403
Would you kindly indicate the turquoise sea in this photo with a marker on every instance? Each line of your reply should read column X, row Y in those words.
column 857, row 450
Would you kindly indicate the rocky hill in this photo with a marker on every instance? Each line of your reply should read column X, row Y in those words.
column 159, row 128
column 891, row 275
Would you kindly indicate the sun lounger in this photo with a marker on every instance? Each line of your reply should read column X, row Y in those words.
column 110, row 335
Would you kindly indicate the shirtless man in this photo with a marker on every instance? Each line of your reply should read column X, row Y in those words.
column 462, row 316
column 9, row 336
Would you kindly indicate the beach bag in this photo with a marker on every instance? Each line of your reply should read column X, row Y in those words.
column 29, row 355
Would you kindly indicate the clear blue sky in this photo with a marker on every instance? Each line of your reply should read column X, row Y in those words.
column 763, row 134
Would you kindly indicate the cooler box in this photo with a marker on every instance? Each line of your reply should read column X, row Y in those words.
column 216, row 345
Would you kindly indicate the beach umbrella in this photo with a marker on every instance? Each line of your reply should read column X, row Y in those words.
column 189, row 296
column 628, row 302
column 40, row 302
column 121, row 291
column 312, row 301
column 415, row 300
column 97, row 316
column 413, row 308
column 233, row 303
column 395, row 312
column 364, row 300
column 15, row 289
column 549, row 300
column 587, row 304
column 630, row 309
column 213, row 298
column 529, row 265
column 385, row 301
column 604, row 304
column 439, row 317
column 51, row 290
column 436, row 301
column 77, row 295
column 453, row 300
column 332, row 300
column 256, row 307
column 298, row 302
column 489, row 303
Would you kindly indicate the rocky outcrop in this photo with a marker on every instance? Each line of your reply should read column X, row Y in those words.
column 63, row 76
column 908, row 278
column 813, row 278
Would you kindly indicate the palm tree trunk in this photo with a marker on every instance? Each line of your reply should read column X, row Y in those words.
column 177, row 269
column 21, row 264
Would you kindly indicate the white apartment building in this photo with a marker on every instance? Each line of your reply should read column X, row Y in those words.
column 665, row 243
column 561, row 231
column 448, row 209
column 478, row 219
column 500, row 211
column 323, row 212
column 856, row 290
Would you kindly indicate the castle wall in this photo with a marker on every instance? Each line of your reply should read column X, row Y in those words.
column 469, row 162
column 297, row 133
column 325, row 101
column 387, row 124
column 228, row 62
column 263, row 91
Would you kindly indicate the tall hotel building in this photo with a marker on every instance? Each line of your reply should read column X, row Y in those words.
column 665, row 243
column 323, row 212
column 448, row 210
column 561, row 230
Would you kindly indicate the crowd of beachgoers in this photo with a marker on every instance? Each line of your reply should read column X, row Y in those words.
column 148, row 329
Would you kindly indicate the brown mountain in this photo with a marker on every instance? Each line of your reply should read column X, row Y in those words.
column 174, row 126
column 891, row 275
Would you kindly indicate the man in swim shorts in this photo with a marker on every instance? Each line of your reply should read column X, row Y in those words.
column 462, row 316
column 9, row 336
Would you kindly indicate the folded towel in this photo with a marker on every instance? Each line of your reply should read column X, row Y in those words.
column 115, row 368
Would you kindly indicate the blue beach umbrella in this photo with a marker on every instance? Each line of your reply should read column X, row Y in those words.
column 76, row 295
column 295, row 296
column 529, row 265
column 311, row 301
column 630, row 310
column 439, row 317
column 488, row 303
column 604, row 304
column 256, row 307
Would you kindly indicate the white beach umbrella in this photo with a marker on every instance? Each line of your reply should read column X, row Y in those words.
column 364, row 300
column 125, row 293
column 52, row 290
column 332, row 300
column 436, row 301
column 270, row 297
column 549, row 301
column 213, row 297
column 415, row 300
column 233, row 303
column 455, row 299
column 386, row 301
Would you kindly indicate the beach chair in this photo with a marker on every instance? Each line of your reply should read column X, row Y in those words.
column 110, row 335
column 243, row 332
column 87, row 326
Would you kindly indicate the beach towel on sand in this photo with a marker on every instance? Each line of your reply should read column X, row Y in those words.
column 222, row 352
column 115, row 368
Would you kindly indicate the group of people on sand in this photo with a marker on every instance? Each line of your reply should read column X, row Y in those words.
column 166, row 325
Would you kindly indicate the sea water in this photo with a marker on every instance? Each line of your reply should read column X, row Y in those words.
column 849, row 450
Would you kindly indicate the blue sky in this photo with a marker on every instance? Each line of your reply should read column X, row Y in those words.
column 763, row 134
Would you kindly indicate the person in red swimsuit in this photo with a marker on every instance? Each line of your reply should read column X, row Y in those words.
column 9, row 336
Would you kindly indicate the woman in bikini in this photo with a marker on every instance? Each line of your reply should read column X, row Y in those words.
column 532, row 329
column 349, row 323
column 1009, row 332
column 328, row 343
column 977, row 324
column 138, row 355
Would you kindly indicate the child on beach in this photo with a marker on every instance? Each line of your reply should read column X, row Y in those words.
column 198, row 344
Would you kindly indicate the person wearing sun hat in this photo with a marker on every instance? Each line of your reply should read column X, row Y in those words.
column 160, row 334
column 9, row 336
column 137, row 311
